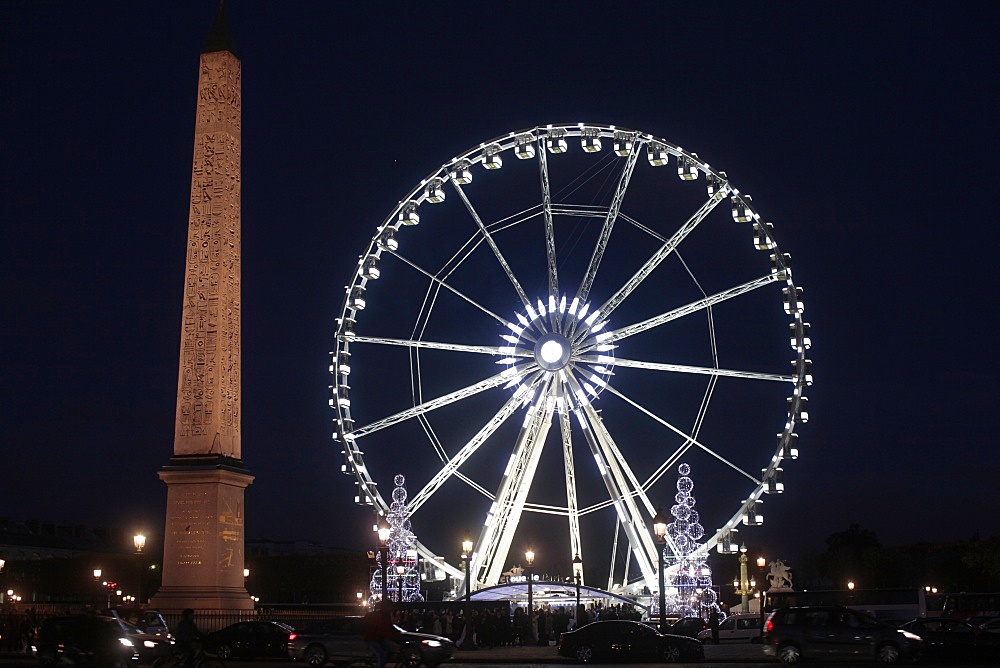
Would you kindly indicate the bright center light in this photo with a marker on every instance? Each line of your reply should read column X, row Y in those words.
column 551, row 351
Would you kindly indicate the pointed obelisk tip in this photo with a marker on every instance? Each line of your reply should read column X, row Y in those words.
column 220, row 37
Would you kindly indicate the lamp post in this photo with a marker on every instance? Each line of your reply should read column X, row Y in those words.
column 577, row 577
column 467, row 613
column 97, row 580
column 139, row 541
column 761, row 563
column 2, row 564
column 529, row 558
column 660, row 529
column 383, row 553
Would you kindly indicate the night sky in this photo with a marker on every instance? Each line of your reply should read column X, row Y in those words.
column 866, row 131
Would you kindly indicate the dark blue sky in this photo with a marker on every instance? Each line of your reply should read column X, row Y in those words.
column 866, row 131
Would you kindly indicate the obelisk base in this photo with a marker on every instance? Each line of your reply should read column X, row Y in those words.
column 203, row 542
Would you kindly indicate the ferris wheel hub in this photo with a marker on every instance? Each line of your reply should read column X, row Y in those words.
column 552, row 351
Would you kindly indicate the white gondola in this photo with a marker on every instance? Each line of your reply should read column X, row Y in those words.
column 772, row 481
column 624, row 141
column 714, row 184
column 789, row 447
column 793, row 300
column 408, row 215
column 762, row 236
column 555, row 142
column 657, row 154
column 687, row 167
column 358, row 297
column 753, row 515
column 742, row 209
column 387, row 239
column 434, row 191
column 461, row 173
column 780, row 265
column 491, row 157
column 371, row 270
column 803, row 370
column 524, row 148
column 798, row 335
column 590, row 141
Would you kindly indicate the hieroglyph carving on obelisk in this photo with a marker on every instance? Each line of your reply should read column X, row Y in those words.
column 208, row 386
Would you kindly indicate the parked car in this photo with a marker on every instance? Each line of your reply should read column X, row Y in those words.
column 86, row 640
column 147, row 630
column 339, row 641
column 825, row 632
column 949, row 639
column 991, row 625
column 688, row 626
column 742, row 627
column 624, row 640
column 249, row 640
column 147, row 621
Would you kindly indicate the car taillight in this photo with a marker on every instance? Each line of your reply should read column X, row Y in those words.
column 769, row 626
column 292, row 636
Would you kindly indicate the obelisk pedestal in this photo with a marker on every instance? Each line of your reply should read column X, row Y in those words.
column 203, row 541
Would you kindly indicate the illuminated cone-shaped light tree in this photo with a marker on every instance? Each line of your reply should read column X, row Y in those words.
column 402, row 571
column 688, row 587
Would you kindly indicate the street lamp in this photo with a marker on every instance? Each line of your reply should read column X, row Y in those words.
column 761, row 563
column 529, row 557
column 383, row 552
column 660, row 529
column 97, row 580
column 577, row 576
column 2, row 564
column 850, row 585
column 359, row 598
column 467, row 613
column 139, row 541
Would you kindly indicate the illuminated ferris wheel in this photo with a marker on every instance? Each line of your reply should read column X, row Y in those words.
column 545, row 327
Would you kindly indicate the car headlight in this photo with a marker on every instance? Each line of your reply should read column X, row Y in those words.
column 431, row 643
column 910, row 636
column 126, row 642
column 148, row 643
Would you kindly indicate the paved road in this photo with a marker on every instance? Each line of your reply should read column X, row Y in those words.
column 522, row 657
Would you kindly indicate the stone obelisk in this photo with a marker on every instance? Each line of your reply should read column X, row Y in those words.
column 203, row 539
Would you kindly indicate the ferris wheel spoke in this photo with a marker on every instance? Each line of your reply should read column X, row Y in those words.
column 490, row 558
column 467, row 450
column 693, row 307
column 502, row 378
column 663, row 252
column 689, row 440
column 455, row 291
column 439, row 345
column 493, row 246
column 684, row 368
column 609, row 222
column 550, row 235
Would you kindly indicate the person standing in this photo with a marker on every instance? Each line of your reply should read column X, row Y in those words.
column 186, row 635
column 379, row 632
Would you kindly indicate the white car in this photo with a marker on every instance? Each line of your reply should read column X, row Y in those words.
column 743, row 627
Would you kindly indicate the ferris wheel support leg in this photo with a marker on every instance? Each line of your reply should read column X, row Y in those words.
column 628, row 514
column 501, row 522
column 572, row 507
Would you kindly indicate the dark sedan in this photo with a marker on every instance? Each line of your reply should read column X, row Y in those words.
column 248, row 640
column 621, row 640
column 948, row 639
column 339, row 641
